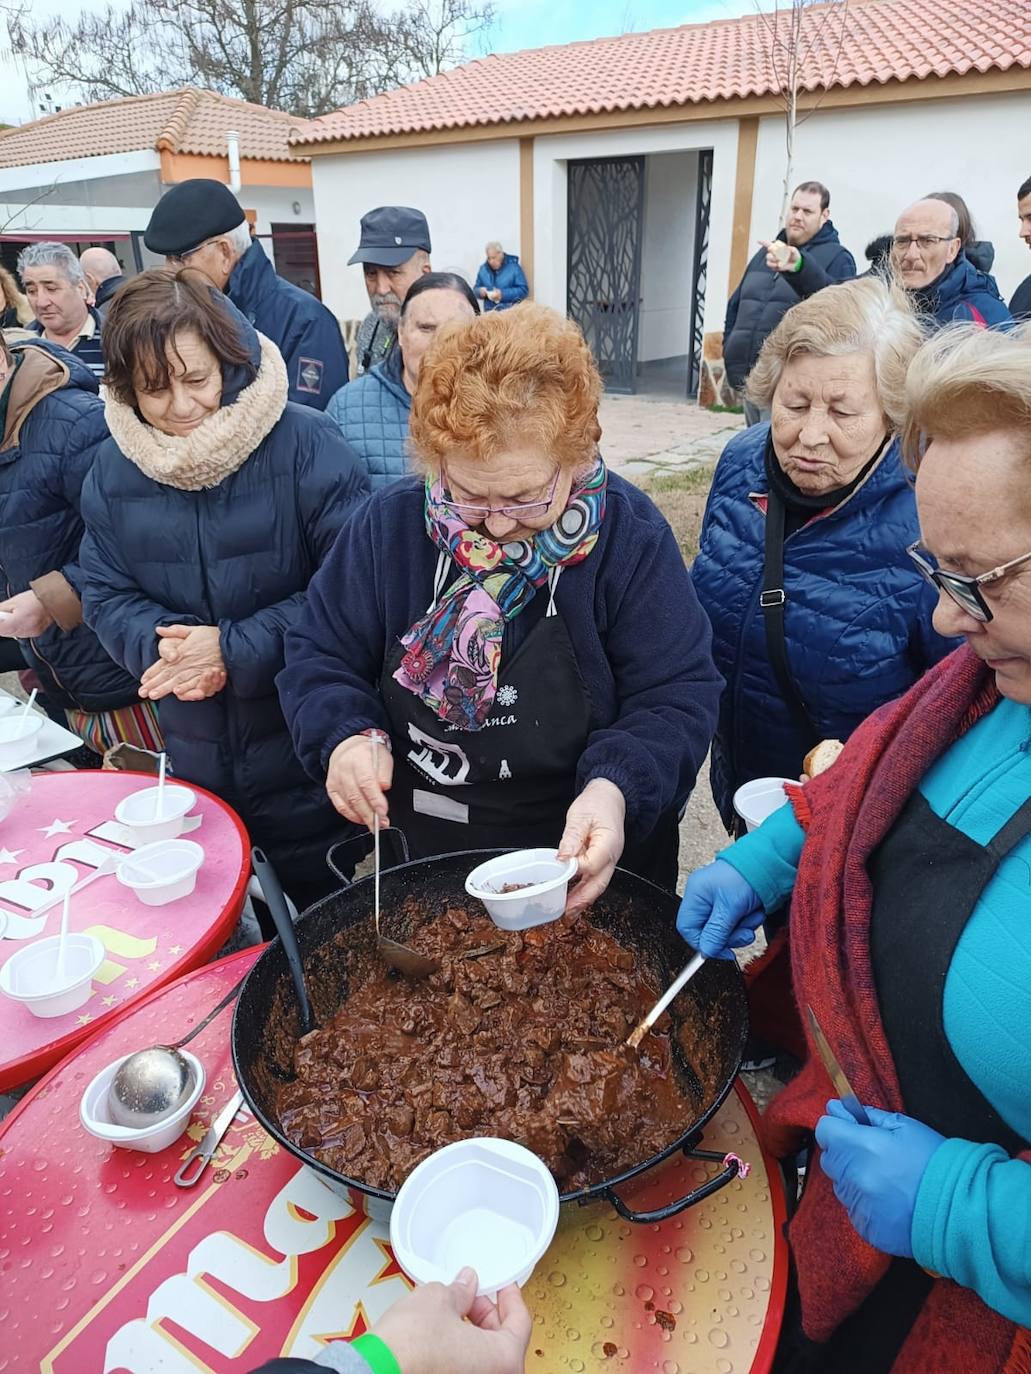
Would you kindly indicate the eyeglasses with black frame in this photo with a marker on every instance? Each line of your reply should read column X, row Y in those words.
column 530, row 509
column 925, row 242
column 964, row 590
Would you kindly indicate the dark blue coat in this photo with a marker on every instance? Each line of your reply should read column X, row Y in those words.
column 372, row 414
column 304, row 331
column 239, row 556
column 965, row 293
column 764, row 296
column 42, row 469
column 641, row 643
column 509, row 279
column 857, row 619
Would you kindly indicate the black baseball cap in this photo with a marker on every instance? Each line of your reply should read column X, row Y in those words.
column 390, row 235
column 189, row 214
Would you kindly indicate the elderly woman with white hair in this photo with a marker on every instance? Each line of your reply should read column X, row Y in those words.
column 818, row 615
column 907, row 864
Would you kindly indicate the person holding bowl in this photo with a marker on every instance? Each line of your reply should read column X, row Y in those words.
column 908, row 862
column 818, row 615
column 509, row 646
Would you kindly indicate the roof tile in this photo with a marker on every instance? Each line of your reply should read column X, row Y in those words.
column 884, row 40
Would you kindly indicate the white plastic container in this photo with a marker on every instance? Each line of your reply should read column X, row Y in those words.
column 30, row 975
column 9, row 704
column 138, row 811
column 18, row 737
column 542, row 880
column 755, row 800
column 484, row 1202
column 96, row 1118
column 162, row 872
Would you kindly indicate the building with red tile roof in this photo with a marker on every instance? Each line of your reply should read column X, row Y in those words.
column 664, row 152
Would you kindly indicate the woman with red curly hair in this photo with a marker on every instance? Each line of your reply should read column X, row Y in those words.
column 516, row 627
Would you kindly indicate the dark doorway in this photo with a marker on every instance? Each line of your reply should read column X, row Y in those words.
column 295, row 255
column 603, row 267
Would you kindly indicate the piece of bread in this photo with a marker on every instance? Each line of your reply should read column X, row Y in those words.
column 818, row 760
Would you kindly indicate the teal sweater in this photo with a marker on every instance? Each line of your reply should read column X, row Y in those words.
column 972, row 1221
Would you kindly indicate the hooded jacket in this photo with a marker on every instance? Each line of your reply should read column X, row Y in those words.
column 964, row 293
column 53, row 427
column 239, row 555
column 300, row 326
column 857, row 621
column 509, row 279
column 372, row 414
column 764, row 296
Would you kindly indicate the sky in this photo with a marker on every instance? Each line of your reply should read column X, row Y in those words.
column 520, row 24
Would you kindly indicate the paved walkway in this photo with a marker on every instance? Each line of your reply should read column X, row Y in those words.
column 642, row 435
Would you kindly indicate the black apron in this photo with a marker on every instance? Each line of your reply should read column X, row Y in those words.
column 509, row 784
column 927, row 879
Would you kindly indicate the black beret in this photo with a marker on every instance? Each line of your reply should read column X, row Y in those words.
column 189, row 214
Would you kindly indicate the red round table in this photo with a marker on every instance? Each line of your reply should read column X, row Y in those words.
column 57, row 836
column 108, row 1267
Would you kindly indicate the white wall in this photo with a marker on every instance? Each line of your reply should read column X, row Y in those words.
column 275, row 203
column 877, row 161
column 469, row 194
column 667, row 251
column 550, row 201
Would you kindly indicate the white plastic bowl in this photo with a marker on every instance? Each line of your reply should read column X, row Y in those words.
column 172, row 867
column 543, row 900
column 9, row 704
column 95, row 1117
column 755, row 800
column 18, row 737
column 30, row 975
column 484, row 1202
column 138, row 812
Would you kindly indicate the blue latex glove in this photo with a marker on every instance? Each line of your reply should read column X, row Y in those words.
column 719, row 911
column 876, row 1171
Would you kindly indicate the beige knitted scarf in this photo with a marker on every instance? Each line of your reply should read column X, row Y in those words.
column 219, row 445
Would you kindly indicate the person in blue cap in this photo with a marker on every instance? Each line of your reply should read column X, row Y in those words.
column 200, row 224
column 394, row 250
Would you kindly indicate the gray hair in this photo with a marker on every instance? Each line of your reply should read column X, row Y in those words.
column 494, row 247
column 57, row 255
column 239, row 239
column 867, row 315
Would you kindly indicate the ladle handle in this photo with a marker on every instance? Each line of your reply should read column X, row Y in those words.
column 275, row 900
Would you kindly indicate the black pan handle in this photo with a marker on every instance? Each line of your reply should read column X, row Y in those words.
column 396, row 836
column 699, row 1194
column 275, row 900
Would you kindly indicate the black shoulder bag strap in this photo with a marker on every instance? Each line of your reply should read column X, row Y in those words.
column 773, row 599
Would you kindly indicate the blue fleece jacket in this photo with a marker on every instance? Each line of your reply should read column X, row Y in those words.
column 640, row 638
column 973, row 1210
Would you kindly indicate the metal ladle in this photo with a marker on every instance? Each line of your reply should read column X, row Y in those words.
column 153, row 1083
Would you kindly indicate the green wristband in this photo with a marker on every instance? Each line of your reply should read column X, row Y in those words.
column 376, row 1354
column 798, row 265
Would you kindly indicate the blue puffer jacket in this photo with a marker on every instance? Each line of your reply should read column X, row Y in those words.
column 965, row 293
column 764, row 297
column 302, row 328
column 372, row 415
column 509, row 279
column 238, row 555
column 54, row 426
column 857, row 618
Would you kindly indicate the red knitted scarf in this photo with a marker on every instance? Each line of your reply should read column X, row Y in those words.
column 846, row 813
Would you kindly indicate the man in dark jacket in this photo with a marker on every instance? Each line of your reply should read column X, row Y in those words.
column 927, row 252
column 104, row 276
column 394, row 251
column 56, row 287
column 779, row 276
column 200, row 223
column 501, row 282
column 1020, row 305
column 52, row 424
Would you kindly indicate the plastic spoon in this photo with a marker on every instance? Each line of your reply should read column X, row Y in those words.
column 159, row 800
column 29, row 705
column 682, row 979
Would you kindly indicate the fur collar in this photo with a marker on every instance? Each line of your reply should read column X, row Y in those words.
column 219, row 445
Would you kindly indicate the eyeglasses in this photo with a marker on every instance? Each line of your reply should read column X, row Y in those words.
column 924, row 242
column 185, row 257
column 527, row 508
column 965, row 591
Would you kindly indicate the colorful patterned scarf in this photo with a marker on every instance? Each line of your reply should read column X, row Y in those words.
column 453, row 652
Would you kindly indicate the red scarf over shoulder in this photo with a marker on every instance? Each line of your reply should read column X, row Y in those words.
column 846, row 813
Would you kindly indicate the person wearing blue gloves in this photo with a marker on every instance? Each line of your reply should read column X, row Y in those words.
column 908, row 866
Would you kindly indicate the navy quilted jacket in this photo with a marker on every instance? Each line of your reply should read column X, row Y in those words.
column 966, row 294
column 372, row 414
column 238, row 555
column 764, row 297
column 41, row 477
column 857, row 618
